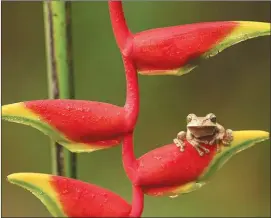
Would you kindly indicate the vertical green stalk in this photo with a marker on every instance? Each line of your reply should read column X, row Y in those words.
column 57, row 20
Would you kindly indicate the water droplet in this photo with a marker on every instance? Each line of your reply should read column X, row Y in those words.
column 65, row 191
column 174, row 196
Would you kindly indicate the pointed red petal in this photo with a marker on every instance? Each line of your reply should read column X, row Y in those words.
column 81, row 199
column 177, row 50
column 80, row 126
column 168, row 171
column 172, row 47
column 167, row 167
column 65, row 197
column 82, row 121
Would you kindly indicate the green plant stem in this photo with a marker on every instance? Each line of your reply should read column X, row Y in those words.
column 57, row 22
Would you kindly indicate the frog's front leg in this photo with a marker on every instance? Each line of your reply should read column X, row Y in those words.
column 227, row 137
column 199, row 148
column 179, row 141
column 216, row 141
column 196, row 144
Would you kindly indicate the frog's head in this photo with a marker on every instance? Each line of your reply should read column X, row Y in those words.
column 202, row 126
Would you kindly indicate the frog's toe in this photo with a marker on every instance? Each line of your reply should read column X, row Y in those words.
column 179, row 143
column 229, row 135
column 201, row 153
column 226, row 142
column 206, row 150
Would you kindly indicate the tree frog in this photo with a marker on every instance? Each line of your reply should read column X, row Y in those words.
column 204, row 130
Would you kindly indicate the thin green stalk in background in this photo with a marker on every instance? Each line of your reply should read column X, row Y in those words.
column 57, row 20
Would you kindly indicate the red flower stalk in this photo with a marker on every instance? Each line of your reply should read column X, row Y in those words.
column 122, row 35
column 177, row 50
column 168, row 171
column 66, row 197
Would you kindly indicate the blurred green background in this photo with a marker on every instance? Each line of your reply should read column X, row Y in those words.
column 234, row 85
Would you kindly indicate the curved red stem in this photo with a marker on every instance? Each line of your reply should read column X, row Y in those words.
column 130, row 167
column 128, row 157
column 122, row 35
column 137, row 202
column 120, row 28
column 132, row 92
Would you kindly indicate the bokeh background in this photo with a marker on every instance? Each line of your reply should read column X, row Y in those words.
column 234, row 85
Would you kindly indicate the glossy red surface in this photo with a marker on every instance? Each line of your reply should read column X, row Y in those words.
column 83, row 121
column 173, row 47
column 167, row 167
column 80, row 199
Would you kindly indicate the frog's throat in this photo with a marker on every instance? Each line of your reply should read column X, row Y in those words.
column 202, row 131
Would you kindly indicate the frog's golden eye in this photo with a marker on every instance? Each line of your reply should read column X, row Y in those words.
column 190, row 117
column 212, row 117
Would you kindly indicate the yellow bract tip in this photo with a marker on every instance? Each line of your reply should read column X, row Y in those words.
column 242, row 140
column 39, row 185
column 249, row 135
column 17, row 110
column 29, row 177
column 255, row 26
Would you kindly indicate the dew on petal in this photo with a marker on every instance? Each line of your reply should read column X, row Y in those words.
column 174, row 196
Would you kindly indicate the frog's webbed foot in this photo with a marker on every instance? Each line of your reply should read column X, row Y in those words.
column 228, row 137
column 179, row 144
column 179, row 141
column 199, row 148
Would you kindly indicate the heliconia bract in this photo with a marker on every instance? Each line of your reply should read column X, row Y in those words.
column 168, row 171
column 65, row 197
column 177, row 50
column 81, row 126
column 78, row 125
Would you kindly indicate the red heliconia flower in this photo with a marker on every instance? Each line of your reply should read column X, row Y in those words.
column 80, row 126
column 168, row 171
column 66, row 197
column 177, row 50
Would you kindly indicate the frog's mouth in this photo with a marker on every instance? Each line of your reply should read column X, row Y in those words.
column 202, row 131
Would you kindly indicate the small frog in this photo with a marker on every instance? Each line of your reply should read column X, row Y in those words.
column 204, row 130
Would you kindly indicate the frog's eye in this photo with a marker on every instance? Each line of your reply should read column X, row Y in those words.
column 212, row 117
column 190, row 117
